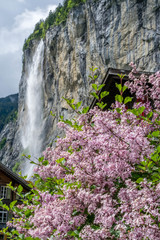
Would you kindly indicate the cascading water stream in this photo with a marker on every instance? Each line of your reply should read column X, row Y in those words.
column 33, row 126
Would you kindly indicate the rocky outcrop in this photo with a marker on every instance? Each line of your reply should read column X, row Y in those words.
column 101, row 33
column 10, row 150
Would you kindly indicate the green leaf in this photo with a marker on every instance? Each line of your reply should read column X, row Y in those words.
column 144, row 163
column 95, row 227
column 101, row 105
column 104, row 105
column 141, row 110
column 21, row 236
column 134, row 111
column 60, row 160
column 127, row 99
column 119, row 98
column 78, row 104
column 41, row 159
column 95, row 77
column 104, row 94
column 138, row 111
column 30, row 185
column 158, row 149
column 124, row 88
column 121, row 75
column 101, row 86
column 94, row 95
column 52, row 114
column 68, row 122
column 4, row 206
column 118, row 110
column 73, row 234
column 67, row 100
column 12, row 204
column 141, row 167
column 70, row 102
column 93, row 187
column 94, row 86
column 72, row 106
column 94, row 69
column 28, row 213
column 139, row 180
column 156, row 176
column 15, row 232
column 150, row 164
column 45, row 163
column 119, row 86
column 32, row 162
column 156, row 133
column 85, row 109
column 19, row 189
column 150, row 114
column 11, row 187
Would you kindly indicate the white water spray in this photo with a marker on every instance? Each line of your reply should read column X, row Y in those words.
column 33, row 126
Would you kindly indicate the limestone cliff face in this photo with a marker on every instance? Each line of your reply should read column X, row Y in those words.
column 102, row 33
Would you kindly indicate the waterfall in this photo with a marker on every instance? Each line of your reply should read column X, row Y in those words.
column 32, row 129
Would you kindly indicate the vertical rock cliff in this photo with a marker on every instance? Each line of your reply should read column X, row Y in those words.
column 102, row 33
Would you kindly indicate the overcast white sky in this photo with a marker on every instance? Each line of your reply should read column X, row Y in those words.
column 17, row 21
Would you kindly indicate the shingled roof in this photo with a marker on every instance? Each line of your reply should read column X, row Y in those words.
column 13, row 176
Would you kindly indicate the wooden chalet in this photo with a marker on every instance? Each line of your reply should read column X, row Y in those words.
column 109, row 80
column 7, row 176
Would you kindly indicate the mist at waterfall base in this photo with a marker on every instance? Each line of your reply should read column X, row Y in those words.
column 31, row 135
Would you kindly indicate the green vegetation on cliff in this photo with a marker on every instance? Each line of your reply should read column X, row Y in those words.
column 8, row 109
column 2, row 143
column 54, row 18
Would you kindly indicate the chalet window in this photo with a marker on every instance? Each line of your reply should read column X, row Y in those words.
column 5, row 192
column 3, row 216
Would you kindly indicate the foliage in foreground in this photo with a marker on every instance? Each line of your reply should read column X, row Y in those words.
column 102, row 180
column 55, row 18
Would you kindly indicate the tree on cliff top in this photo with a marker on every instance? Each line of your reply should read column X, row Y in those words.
column 54, row 18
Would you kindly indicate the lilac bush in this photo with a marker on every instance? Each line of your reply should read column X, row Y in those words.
column 101, row 181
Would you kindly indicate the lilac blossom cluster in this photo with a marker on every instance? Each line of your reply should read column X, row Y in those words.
column 96, row 165
column 146, row 91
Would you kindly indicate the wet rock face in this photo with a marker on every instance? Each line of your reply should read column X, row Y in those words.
column 10, row 150
column 101, row 33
